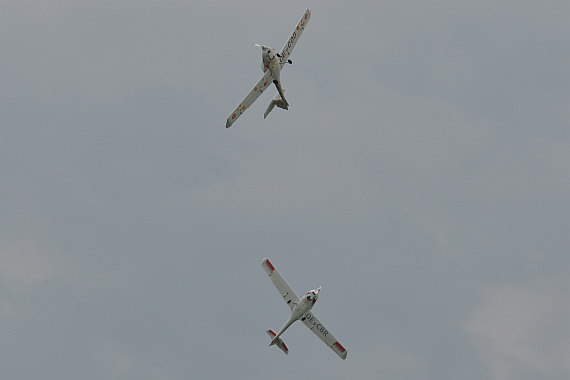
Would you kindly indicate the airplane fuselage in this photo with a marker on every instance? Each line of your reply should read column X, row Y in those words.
column 302, row 307
column 299, row 310
column 270, row 61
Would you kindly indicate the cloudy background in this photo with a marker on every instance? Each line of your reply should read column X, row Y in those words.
column 421, row 175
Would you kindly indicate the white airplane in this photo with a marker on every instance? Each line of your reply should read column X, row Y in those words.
column 300, row 310
column 272, row 64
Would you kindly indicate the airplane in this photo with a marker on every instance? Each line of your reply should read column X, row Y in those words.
column 272, row 63
column 300, row 310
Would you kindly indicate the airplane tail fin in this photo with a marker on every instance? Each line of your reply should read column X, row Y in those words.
column 277, row 341
column 276, row 101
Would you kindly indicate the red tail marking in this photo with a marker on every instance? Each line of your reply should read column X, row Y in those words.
column 272, row 332
column 285, row 347
column 269, row 265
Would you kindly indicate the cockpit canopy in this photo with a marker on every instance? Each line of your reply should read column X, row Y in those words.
column 312, row 295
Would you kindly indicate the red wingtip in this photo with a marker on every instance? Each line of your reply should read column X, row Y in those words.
column 340, row 346
column 269, row 265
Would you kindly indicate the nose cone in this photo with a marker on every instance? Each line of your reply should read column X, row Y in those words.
column 316, row 293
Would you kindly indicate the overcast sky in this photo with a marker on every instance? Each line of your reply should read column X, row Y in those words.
column 421, row 176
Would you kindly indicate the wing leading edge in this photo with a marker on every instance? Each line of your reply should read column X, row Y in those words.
column 317, row 327
column 280, row 283
column 261, row 86
column 292, row 41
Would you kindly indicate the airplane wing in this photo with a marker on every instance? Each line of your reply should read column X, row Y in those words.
column 280, row 283
column 290, row 44
column 263, row 83
column 316, row 326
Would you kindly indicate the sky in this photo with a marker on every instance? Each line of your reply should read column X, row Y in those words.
column 421, row 175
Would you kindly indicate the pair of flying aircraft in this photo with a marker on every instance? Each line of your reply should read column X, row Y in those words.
column 272, row 64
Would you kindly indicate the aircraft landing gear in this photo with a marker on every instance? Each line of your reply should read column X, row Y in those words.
column 274, row 81
column 290, row 62
column 303, row 319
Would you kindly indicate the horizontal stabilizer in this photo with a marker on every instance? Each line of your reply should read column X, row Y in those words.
column 276, row 101
column 278, row 342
